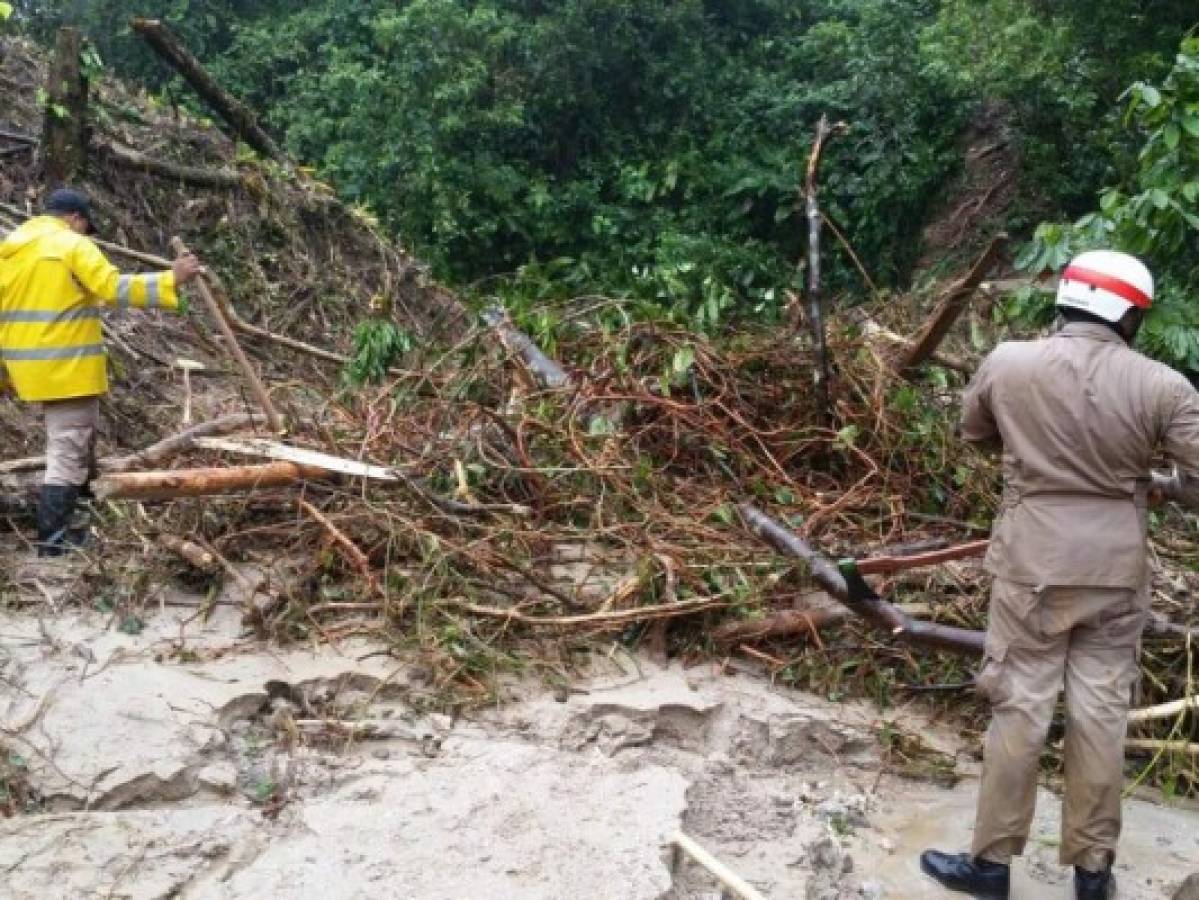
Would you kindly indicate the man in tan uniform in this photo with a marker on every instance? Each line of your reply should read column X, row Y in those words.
column 1080, row 417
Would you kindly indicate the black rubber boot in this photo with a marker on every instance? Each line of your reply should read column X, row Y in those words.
column 55, row 505
column 1094, row 885
column 967, row 873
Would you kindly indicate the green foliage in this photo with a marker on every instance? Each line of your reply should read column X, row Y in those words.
column 647, row 150
column 1153, row 212
column 6, row 11
column 377, row 345
column 653, row 151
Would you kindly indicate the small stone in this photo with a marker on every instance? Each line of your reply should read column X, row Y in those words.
column 382, row 753
column 872, row 890
column 219, row 777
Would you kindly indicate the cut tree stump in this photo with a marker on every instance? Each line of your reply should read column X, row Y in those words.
column 64, row 129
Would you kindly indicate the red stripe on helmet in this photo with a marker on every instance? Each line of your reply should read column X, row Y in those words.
column 1129, row 292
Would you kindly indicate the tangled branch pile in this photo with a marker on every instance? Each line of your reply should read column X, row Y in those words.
column 533, row 510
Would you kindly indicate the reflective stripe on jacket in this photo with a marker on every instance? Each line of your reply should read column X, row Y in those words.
column 52, row 284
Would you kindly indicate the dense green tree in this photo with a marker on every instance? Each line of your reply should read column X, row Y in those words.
column 654, row 149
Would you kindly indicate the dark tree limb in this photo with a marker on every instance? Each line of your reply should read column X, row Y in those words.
column 237, row 116
column 132, row 159
column 926, row 341
column 64, row 129
column 883, row 615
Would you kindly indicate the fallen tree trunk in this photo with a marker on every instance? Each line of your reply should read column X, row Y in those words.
column 883, row 615
column 132, row 159
column 929, row 338
column 167, row 485
column 236, row 115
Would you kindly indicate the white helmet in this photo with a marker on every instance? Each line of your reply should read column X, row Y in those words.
column 1106, row 284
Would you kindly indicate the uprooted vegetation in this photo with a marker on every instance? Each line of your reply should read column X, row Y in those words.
column 528, row 517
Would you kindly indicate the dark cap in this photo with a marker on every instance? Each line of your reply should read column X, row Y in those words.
column 65, row 200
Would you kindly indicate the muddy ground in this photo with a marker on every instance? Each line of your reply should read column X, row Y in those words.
column 175, row 756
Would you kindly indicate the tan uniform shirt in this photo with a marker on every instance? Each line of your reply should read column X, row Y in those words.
column 1080, row 416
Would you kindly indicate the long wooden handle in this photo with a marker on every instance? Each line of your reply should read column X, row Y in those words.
column 273, row 419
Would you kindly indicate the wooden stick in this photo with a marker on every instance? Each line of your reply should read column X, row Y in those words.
column 28, row 464
column 722, row 873
column 1164, row 710
column 236, row 115
column 607, row 619
column 883, row 565
column 166, row 485
column 190, row 551
column 158, row 453
column 1164, row 746
column 880, row 613
column 929, row 338
column 355, row 556
column 273, row 419
column 784, row 623
column 132, row 159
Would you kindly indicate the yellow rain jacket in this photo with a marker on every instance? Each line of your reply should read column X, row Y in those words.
column 52, row 284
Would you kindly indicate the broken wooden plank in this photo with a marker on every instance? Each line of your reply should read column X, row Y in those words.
column 302, row 455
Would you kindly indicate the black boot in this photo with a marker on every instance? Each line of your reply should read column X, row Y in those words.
column 967, row 873
column 1093, row 885
column 55, row 505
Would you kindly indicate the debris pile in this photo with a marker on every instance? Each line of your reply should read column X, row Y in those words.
column 506, row 493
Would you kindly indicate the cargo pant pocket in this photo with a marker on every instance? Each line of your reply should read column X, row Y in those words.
column 993, row 681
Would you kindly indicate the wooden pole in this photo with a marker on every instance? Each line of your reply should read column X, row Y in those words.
column 737, row 885
column 64, row 132
column 273, row 419
column 822, row 373
column 237, row 116
column 173, row 483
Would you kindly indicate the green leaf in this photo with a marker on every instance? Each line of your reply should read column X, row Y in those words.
column 1171, row 135
column 1191, row 125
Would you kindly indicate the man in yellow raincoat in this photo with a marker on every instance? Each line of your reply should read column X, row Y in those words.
column 53, row 282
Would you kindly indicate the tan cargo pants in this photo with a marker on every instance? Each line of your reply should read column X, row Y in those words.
column 1040, row 640
column 70, row 439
